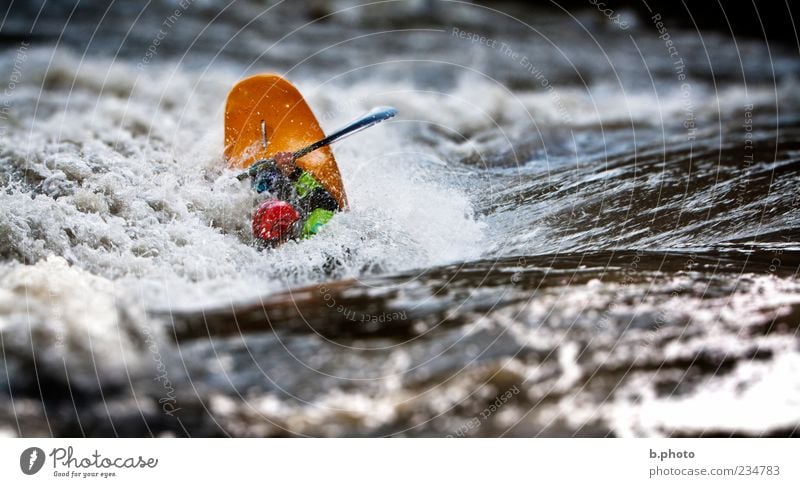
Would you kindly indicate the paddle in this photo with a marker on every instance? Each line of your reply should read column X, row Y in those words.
column 375, row 115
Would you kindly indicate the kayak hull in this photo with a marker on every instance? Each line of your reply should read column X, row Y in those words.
column 268, row 105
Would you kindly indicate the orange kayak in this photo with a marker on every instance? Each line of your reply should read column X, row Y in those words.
column 267, row 108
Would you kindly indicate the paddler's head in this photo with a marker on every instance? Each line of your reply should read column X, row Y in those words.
column 285, row 162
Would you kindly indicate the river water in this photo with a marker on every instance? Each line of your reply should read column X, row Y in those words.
column 575, row 227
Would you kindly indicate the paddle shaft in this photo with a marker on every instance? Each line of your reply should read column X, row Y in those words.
column 375, row 116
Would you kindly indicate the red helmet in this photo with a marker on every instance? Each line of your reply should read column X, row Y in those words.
column 273, row 220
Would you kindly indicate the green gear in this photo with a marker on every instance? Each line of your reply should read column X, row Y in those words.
column 305, row 184
column 316, row 219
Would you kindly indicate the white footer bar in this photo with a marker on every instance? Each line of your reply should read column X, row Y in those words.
column 399, row 462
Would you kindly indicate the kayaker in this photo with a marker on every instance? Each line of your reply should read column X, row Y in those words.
column 298, row 205
column 272, row 134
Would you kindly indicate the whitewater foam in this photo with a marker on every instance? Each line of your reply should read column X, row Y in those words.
column 121, row 173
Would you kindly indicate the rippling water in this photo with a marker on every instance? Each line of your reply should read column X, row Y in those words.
column 569, row 230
